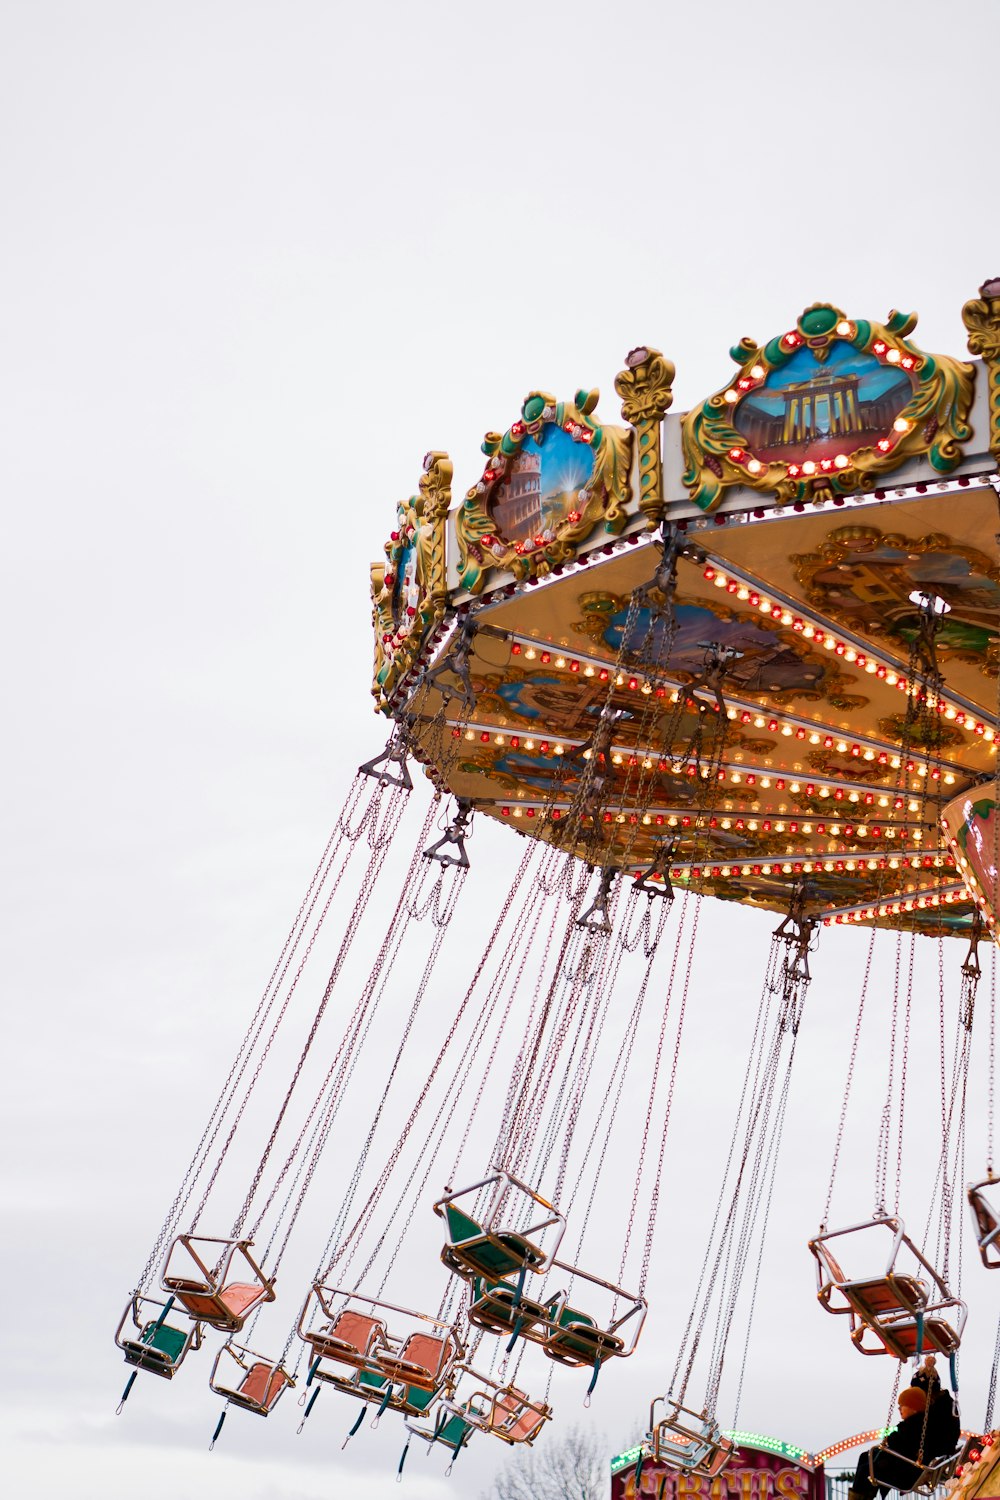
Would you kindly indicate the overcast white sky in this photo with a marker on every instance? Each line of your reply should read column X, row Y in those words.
column 256, row 259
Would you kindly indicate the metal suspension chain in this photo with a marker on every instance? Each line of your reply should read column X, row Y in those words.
column 754, row 1065
column 525, row 934
column 364, row 1216
column 352, row 1040
column 376, row 862
column 903, row 1073
column 991, row 1097
column 611, row 1099
column 257, row 1021
column 885, row 1123
column 850, row 1077
column 647, row 1247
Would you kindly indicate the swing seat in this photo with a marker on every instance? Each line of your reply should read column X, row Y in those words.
column 422, row 1363
column 688, row 1441
column 930, row 1476
column 577, row 1340
column 159, row 1348
column 904, row 1338
column 261, row 1387
column 515, row 1418
column 249, row 1380
column 350, row 1338
column 487, row 1246
column 886, row 1297
column 453, row 1432
column 211, row 1296
column 987, row 1224
column 471, row 1251
column 153, row 1344
column 496, row 1307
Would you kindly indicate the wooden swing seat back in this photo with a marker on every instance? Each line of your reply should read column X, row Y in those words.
column 350, row 1338
column 151, row 1343
column 515, row 1418
column 258, row 1386
column 423, row 1363
column 987, row 1223
column 501, row 1410
column 213, row 1295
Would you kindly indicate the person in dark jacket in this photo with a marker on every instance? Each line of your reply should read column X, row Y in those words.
column 929, row 1429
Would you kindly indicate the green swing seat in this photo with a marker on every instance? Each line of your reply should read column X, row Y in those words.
column 577, row 1340
column 497, row 1307
column 151, row 1343
column 158, row 1348
column 472, row 1251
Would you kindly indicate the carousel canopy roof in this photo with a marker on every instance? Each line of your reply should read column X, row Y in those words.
column 752, row 647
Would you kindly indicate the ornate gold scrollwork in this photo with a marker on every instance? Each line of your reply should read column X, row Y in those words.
column 646, row 389
column 981, row 317
column 933, row 423
column 482, row 546
column 410, row 589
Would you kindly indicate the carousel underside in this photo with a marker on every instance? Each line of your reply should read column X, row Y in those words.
column 764, row 678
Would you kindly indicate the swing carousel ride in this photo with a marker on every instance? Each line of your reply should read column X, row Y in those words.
column 748, row 652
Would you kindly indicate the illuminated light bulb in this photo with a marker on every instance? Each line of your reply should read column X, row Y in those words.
column 894, row 356
column 588, row 755
column 757, row 371
column 808, row 467
column 814, row 739
column 764, row 606
column 531, row 653
column 844, row 328
column 557, row 750
column 743, row 592
column 498, row 739
column 671, row 822
column 727, row 823
column 588, row 671
column 829, row 642
column 754, row 466
column 736, row 778
column 794, row 787
column 949, row 779
column 646, row 819
column 786, row 730
column 731, row 396
column 892, row 678
column 870, row 666
column 616, row 759
column 765, row 782
column 470, row 734
column 786, row 618
column 901, row 425
column 869, row 754
column 560, row 661
column 720, row 580
column 529, row 744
